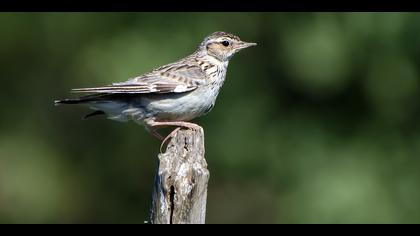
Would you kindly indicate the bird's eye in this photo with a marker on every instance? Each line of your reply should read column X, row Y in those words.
column 225, row 43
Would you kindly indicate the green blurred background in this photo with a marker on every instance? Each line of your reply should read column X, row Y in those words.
column 317, row 124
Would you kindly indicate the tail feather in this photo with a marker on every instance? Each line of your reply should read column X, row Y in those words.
column 67, row 101
column 101, row 103
column 95, row 113
column 83, row 99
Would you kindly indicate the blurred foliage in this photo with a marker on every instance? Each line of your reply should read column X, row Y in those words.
column 318, row 124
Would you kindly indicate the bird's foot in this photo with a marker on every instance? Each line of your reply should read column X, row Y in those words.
column 180, row 124
column 171, row 135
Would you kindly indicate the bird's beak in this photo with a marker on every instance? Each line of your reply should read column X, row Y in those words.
column 243, row 45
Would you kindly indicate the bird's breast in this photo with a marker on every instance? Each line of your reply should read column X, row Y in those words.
column 183, row 106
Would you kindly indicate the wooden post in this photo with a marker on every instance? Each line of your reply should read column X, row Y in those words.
column 180, row 188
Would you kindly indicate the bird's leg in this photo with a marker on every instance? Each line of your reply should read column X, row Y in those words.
column 170, row 135
column 153, row 131
column 180, row 124
column 185, row 124
column 156, row 134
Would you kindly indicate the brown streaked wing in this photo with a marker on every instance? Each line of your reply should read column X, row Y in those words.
column 176, row 78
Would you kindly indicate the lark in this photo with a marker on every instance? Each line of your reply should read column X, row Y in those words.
column 171, row 95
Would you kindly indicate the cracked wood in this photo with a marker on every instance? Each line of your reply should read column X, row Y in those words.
column 180, row 188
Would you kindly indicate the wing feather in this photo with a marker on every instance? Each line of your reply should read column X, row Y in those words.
column 178, row 77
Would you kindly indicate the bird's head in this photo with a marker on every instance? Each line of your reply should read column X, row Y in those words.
column 223, row 46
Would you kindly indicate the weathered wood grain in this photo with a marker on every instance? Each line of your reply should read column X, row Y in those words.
column 180, row 188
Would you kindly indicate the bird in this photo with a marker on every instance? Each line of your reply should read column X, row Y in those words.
column 171, row 95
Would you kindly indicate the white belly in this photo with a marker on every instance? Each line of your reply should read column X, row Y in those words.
column 181, row 107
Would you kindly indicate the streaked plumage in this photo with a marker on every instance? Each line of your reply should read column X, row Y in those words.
column 171, row 94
